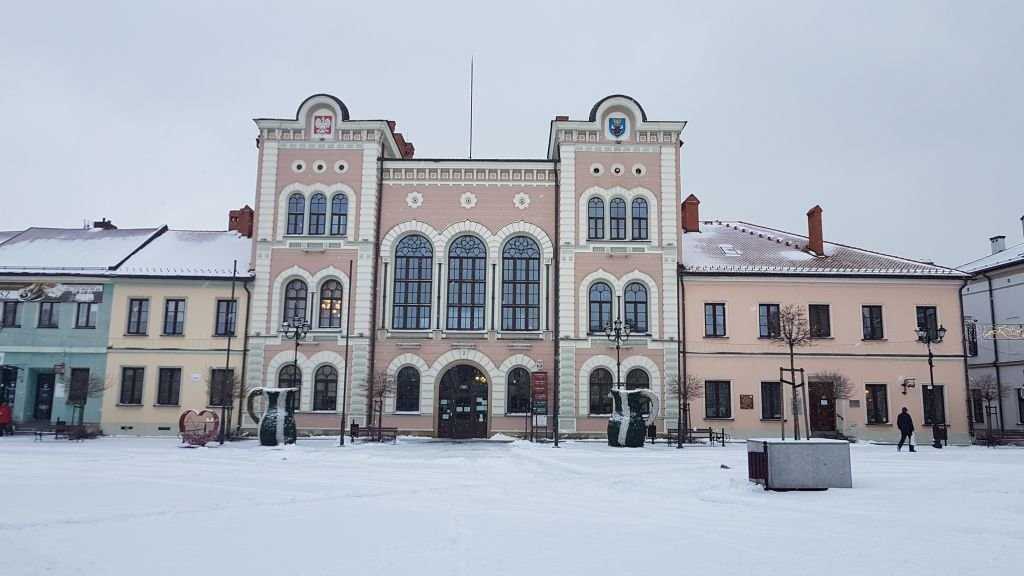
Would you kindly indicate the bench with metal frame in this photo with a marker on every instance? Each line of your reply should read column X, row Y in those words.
column 371, row 433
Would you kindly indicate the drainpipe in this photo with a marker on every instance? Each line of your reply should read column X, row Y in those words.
column 557, row 256
column 681, row 337
column 963, row 352
column 245, row 351
column 372, row 344
column 995, row 348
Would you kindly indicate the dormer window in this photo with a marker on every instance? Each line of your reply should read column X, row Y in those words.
column 728, row 250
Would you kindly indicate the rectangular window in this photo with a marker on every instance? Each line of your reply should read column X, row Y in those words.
column 78, row 389
column 226, row 317
column 877, row 403
column 934, row 405
column 977, row 406
column 819, row 317
column 49, row 314
column 85, row 317
column 131, row 385
column 771, row 401
column 717, row 403
column 714, row 320
column 928, row 318
column 168, row 387
column 872, row 317
column 768, row 320
column 138, row 316
column 12, row 318
column 222, row 382
column 174, row 317
column 971, row 333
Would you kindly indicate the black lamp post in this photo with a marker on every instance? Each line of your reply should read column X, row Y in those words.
column 618, row 332
column 925, row 335
column 295, row 329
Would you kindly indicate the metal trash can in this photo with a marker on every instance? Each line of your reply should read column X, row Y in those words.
column 940, row 434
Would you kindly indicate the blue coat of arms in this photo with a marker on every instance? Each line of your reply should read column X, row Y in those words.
column 617, row 126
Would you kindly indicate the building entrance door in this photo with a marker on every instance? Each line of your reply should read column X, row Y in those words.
column 822, row 407
column 44, row 397
column 462, row 403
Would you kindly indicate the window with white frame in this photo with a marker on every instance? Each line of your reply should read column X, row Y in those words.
column 339, row 215
column 635, row 299
column 413, row 279
column 600, row 306
column 295, row 300
column 467, row 283
column 520, row 285
column 325, row 388
column 318, row 214
column 296, row 213
column 330, row 304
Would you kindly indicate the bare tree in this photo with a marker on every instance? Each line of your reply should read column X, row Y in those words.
column 223, row 388
column 792, row 330
column 839, row 386
column 990, row 392
column 378, row 387
column 78, row 390
column 685, row 391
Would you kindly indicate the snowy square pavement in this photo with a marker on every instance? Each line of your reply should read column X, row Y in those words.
column 126, row 506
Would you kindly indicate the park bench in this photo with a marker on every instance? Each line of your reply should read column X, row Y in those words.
column 373, row 434
column 692, row 435
column 61, row 429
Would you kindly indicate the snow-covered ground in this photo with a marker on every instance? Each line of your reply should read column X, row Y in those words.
column 121, row 506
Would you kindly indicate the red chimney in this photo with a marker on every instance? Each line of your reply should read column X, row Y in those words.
column 815, row 243
column 691, row 217
column 241, row 221
column 561, row 118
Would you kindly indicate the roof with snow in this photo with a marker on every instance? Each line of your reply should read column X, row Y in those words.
column 191, row 253
column 92, row 251
column 6, row 235
column 1003, row 258
column 736, row 247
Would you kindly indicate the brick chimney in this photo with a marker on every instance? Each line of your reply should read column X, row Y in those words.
column 241, row 221
column 561, row 118
column 691, row 214
column 815, row 242
column 998, row 243
column 104, row 224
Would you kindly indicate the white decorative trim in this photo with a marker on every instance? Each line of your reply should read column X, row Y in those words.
column 294, row 272
column 298, row 166
column 522, row 228
column 467, row 200
column 583, row 379
column 426, row 387
column 499, row 398
column 639, row 169
column 308, row 191
column 618, row 286
column 341, row 166
column 606, row 194
column 521, row 200
column 618, row 169
column 329, row 273
column 414, row 199
column 453, row 357
column 599, row 275
column 596, row 169
column 319, row 166
column 390, row 240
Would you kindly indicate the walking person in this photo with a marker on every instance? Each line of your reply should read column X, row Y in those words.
column 906, row 425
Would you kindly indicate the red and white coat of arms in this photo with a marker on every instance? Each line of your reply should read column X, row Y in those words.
column 323, row 125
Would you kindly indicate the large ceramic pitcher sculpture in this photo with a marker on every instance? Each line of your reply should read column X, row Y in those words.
column 277, row 426
column 627, row 426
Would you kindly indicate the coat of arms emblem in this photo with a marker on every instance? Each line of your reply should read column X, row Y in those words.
column 322, row 125
column 617, row 126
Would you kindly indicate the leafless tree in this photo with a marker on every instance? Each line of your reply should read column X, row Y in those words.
column 223, row 389
column 990, row 392
column 378, row 387
column 685, row 391
column 79, row 390
column 839, row 386
column 793, row 331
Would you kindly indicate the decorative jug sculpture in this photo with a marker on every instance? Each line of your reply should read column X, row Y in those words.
column 627, row 425
column 277, row 426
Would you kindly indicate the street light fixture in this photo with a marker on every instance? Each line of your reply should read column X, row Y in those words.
column 925, row 335
column 618, row 332
column 295, row 329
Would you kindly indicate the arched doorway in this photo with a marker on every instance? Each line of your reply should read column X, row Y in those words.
column 462, row 403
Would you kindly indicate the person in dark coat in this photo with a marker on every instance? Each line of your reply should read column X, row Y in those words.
column 906, row 425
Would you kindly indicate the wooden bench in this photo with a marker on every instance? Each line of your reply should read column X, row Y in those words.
column 373, row 434
column 691, row 435
column 62, row 429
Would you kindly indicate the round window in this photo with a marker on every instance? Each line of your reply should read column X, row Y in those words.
column 340, row 166
column 596, row 169
column 298, row 166
column 320, row 166
column 618, row 169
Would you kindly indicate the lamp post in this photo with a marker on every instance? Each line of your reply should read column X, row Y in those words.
column 618, row 332
column 295, row 329
column 925, row 335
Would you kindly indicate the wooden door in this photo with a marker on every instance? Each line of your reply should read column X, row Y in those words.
column 44, row 397
column 822, row 407
column 462, row 404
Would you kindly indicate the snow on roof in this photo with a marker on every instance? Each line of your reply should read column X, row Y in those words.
column 191, row 253
column 6, row 235
column 1012, row 255
column 742, row 248
column 70, row 250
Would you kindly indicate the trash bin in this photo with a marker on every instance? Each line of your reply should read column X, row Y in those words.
column 940, row 433
column 652, row 432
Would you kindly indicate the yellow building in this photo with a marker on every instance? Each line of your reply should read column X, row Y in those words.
column 176, row 331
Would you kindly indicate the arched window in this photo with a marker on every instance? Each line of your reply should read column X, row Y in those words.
column 520, row 285
column 639, row 219
column 467, row 283
column 317, row 214
column 595, row 219
column 296, row 213
column 636, row 306
column 637, row 378
column 408, row 394
column 290, row 377
column 325, row 388
column 600, row 391
column 339, row 215
column 413, row 269
column 295, row 300
column 617, row 211
column 600, row 306
column 518, row 385
column 330, row 304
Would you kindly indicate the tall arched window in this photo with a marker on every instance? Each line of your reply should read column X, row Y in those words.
column 639, row 219
column 291, row 377
column 520, row 285
column 413, row 269
column 295, row 300
column 600, row 306
column 617, row 211
column 407, row 397
column 637, row 378
column 467, row 283
column 296, row 213
column 518, row 386
column 595, row 219
column 600, row 391
column 339, row 215
column 325, row 388
column 330, row 304
column 317, row 214
column 636, row 306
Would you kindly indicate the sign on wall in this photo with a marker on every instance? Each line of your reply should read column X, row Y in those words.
column 746, row 401
column 52, row 292
column 539, row 392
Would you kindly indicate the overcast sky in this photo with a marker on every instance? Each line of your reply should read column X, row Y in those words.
column 904, row 120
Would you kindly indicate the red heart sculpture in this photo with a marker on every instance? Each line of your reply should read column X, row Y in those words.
column 198, row 428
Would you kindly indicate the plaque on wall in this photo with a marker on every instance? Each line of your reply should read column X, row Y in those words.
column 746, row 401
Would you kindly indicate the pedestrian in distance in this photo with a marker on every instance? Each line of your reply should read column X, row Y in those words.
column 906, row 425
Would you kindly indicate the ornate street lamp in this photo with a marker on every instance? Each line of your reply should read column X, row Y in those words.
column 617, row 332
column 295, row 329
column 925, row 335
